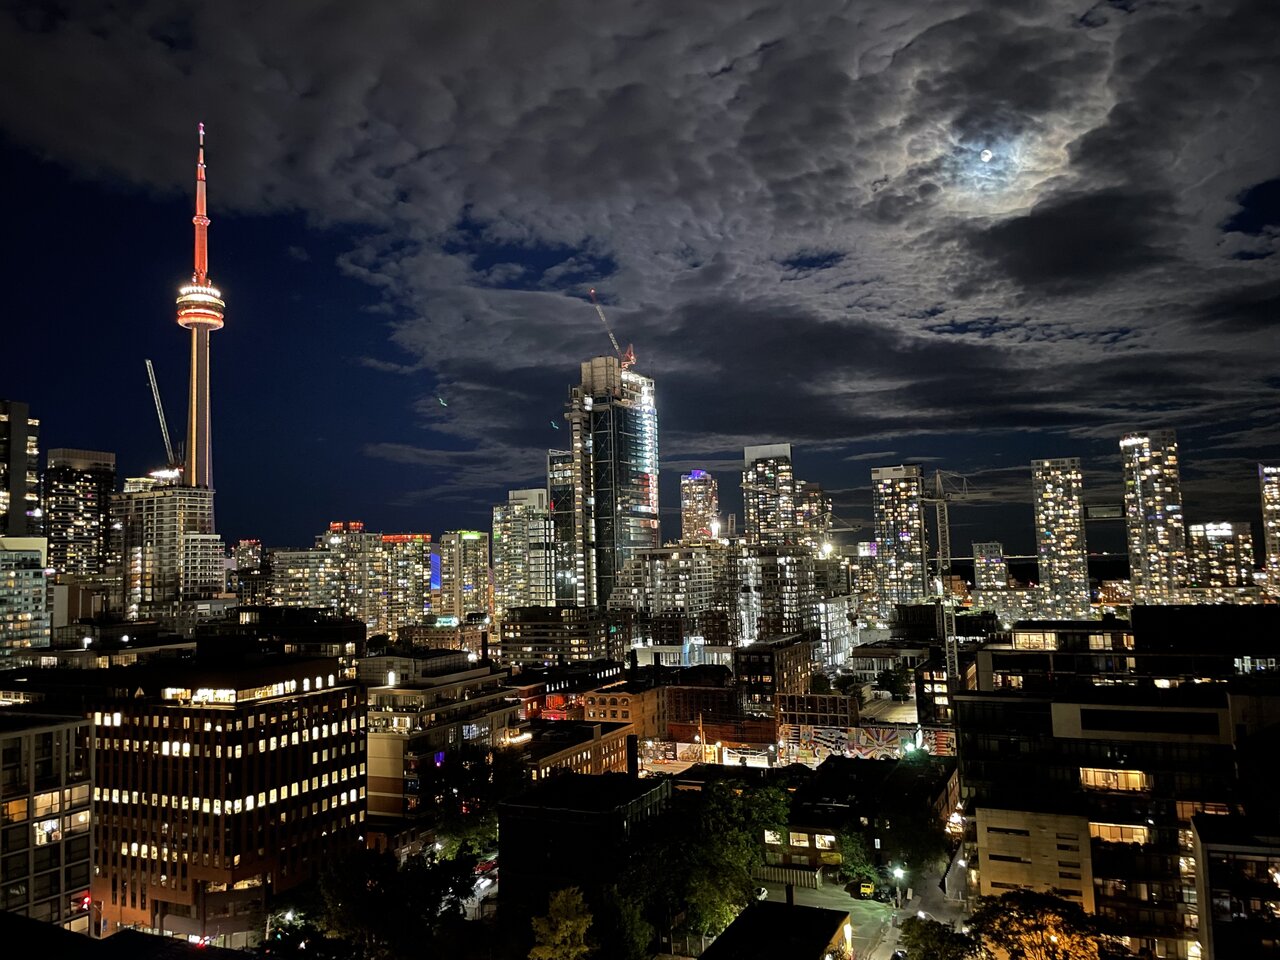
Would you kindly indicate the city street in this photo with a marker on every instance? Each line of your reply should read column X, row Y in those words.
column 870, row 918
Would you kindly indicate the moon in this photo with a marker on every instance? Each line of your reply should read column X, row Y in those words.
column 985, row 156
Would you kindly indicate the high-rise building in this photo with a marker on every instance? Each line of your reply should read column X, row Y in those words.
column 1060, row 542
column 170, row 557
column 359, row 572
column 1269, row 484
column 19, row 456
column 77, row 511
column 990, row 572
column 523, row 552
column 200, row 310
column 813, row 515
column 304, row 578
column 464, row 574
column 1153, row 515
column 1220, row 554
column 614, row 427
column 699, row 506
column 406, row 559
column 217, row 783
column 248, row 557
column 768, row 494
column 572, row 530
column 24, row 595
column 901, row 542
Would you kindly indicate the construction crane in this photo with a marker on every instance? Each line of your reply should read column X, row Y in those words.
column 164, row 425
column 627, row 358
column 947, row 487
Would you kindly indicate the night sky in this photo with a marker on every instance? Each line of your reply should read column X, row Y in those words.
column 785, row 207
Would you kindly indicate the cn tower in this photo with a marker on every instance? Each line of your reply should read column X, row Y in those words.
column 200, row 310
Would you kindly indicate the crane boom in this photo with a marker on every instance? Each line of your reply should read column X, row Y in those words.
column 627, row 358
column 164, row 426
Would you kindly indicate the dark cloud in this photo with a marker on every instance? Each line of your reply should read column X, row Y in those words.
column 786, row 207
column 1080, row 241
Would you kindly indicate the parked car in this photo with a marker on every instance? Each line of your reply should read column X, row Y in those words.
column 762, row 893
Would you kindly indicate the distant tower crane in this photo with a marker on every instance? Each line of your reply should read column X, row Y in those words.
column 628, row 358
column 164, row 424
column 947, row 487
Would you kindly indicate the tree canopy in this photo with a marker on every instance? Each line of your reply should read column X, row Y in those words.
column 562, row 933
column 1029, row 925
column 937, row 941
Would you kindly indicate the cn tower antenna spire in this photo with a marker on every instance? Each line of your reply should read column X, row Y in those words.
column 200, row 310
column 201, row 219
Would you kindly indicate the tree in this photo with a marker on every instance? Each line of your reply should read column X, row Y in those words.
column 383, row 909
column 620, row 926
column 1029, row 925
column 856, row 864
column 819, row 683
column 896, row 682
column 562, row 933
column 938, row 941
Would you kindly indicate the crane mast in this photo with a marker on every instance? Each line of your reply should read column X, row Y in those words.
column 164, row 426
column 943, row 493
column 628, row 357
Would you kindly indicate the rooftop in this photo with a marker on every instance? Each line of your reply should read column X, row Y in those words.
column 768, row 930
column 15, row 721
column 597, row 793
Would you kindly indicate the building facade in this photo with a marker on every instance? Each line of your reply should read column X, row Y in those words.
column 1220, row 556
column 77, row 486
column 170, row 557
column 699, row 507
column 901, row 542
column 523, row 552
column 613, row 422
column 406, row 559
column 540, row 636
column 1060, row 541
column 768, row 494
column 217, row 784
column 46, row 784
column 990, row 572
column 1269, row 488
column 1153, row 515
column 24, row 596
column 19, row 468
column 464, row 575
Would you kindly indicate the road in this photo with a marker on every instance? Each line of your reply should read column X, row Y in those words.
column 928, row 900
column 870, row 918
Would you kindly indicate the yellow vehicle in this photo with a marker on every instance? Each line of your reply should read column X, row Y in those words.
column 866, row 890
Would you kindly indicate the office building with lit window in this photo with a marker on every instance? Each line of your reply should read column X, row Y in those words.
column 217, row 783
column 46, row 783
column 1060, row 542
column 1269, row 487
column 542, row 636
column 170, row 557
column 1153, row 516
column 699, row 506
column 901, row 542
column 523, row 552
column 611, row 484
column 441, row 705
column 990, row 572
column 77, row 486
column 768, row 494
column 19, row 459
column 1220, row 561
column 464, row 574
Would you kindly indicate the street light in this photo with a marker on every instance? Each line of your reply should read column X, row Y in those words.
column 898, row 874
